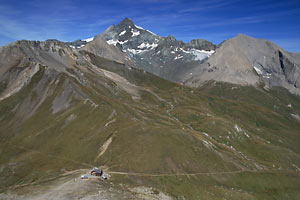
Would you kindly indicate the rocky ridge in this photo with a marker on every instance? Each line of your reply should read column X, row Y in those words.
column 241, row 60
column 245, row 60
column 162, row 56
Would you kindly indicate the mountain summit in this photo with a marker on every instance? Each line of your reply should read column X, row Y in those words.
column 126, row 22
column 163, row 56
column 246, row 60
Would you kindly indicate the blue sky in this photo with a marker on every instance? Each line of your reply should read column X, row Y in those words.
column 214, row 20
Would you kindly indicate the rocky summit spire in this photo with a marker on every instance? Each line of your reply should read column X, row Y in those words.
column 126, row 23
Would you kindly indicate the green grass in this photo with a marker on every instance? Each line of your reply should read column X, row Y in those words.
column 148, row 139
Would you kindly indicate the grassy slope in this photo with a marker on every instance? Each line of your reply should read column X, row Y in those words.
column 149, row 136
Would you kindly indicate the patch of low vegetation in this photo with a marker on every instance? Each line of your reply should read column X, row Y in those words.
column 217, row 141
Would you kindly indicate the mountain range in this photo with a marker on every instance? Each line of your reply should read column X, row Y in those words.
column 240, row 60
column 164, row 119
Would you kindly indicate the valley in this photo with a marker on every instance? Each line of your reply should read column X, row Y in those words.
column 66, row 109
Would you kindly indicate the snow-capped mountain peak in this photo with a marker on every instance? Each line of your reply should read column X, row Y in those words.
column 154, row 53
column 164, row 56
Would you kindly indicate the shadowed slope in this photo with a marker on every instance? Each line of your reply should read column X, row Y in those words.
column 186, row 140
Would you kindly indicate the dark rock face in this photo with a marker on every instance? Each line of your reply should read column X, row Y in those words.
column 77, row 44
column 290, row 70
column 201, row 44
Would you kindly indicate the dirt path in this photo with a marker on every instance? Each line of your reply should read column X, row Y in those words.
column 198, row 135
column 58, row 157
column 41, row 181
column 107, row 143
column 179, row 174
column 199, row 173
column 134, row 173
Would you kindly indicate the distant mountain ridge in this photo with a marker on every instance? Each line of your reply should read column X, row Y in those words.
column 242, row 60
column 163, row 56
column 245, row 60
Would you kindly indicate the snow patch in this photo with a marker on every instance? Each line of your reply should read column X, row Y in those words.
column 88, row 39
column 147, row 45
column 178, row 57
column 122, row 33
column 258, row 71
column 123, row 42
column 198, row 54
column 138, row 27
column 135, row 33
column 141, row 28
column 201, row 54
column 261, row 72
column 151, row 32
column 114, row 42
column 77, row 47
column 181, row 49
column 135, row 51
column 268, row 75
